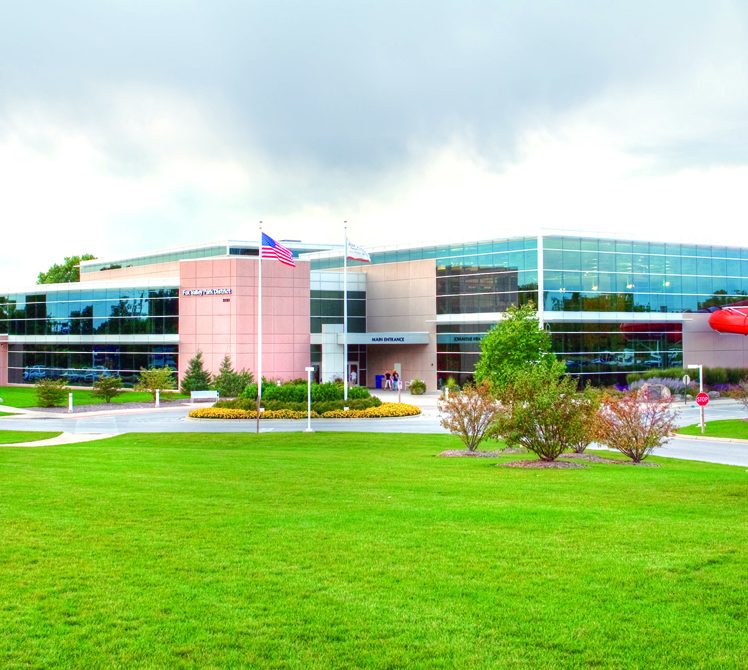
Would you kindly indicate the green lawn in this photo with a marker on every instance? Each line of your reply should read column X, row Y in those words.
column 25, row 396
column 7, row 413
column 16, row 436
column 734, row 428
column 360, row 550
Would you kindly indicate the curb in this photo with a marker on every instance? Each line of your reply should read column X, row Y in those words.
column 697, row 438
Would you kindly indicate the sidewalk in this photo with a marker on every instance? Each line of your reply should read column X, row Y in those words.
column 427, row 402
column 26, row 413
column 61, row 439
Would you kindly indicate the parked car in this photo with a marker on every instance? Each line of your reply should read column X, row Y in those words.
column 34, row 373
column 90, row 375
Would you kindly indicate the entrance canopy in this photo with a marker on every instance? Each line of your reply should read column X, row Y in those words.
column 393, row 337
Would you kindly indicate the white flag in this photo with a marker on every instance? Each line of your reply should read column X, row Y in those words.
column 357, row 253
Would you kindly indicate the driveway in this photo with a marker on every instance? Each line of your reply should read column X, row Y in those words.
column 175, row 420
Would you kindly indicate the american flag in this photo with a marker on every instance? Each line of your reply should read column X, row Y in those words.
column 272, row 249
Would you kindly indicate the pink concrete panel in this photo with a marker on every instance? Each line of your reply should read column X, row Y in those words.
column 3, row 361
column 221, row 325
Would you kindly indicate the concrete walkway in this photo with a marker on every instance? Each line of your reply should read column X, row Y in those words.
column 62, row 438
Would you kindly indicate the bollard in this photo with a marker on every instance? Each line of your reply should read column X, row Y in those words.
column 70, row 402
column 158, row 397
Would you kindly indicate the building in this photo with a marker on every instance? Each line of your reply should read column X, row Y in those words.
column 611, row 307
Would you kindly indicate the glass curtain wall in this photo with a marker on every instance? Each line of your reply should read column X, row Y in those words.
column 83, row 364
column 114, row 311
column 583, row 274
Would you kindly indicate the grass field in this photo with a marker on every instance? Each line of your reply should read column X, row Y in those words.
column 16, row 436
column 7, row 413
column 362, row 550
column 25, row 396
column 734, row 428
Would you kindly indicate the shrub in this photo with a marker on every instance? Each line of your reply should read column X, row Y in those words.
column 320, row 407
column 155, row 379
column 417, row 387
column 470, row 414
column 196, row 377
column 228, row 382
column 296, row 392
column 634, row 426
column 735, row 375
column 218, row 413
column 384, row 410
column 582, row 424
column 50, row 392
column 358, row 393
column 545, row 414
column 107, row 388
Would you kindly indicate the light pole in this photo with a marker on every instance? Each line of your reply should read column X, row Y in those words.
column 308, row 428
column 700, row 368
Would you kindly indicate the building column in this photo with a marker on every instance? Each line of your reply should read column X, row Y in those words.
column 333, row 360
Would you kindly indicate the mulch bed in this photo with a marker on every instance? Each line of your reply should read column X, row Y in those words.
column 464, row 453
column 593, row 458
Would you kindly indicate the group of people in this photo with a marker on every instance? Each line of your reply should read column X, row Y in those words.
column 392, row 381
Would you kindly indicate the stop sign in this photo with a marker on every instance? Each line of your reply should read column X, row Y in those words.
column 702, row 399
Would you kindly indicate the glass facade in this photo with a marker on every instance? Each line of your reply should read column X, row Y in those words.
column 593, row 277
column 112, row 311
column 88, row 312
column 186, row 254
column 327, row 307
column 83, row 364
column 584, row 274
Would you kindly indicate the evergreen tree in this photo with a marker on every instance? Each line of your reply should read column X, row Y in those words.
column 230, row 383
column 196, row 378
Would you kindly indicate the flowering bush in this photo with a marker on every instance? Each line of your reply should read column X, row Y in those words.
column 470, row 414
column 388, row 409
column 218, row 413
column 633, row 425
column 385, row 410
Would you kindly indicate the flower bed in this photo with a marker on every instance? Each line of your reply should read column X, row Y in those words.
column 387, row 409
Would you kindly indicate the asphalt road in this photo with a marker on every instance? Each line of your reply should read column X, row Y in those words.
column 176, row 421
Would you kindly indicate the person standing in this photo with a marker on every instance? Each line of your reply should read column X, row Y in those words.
column 387, row 381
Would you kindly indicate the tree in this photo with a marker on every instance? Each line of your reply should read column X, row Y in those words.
column 545, row 414
column 155, row 379
column 107, row 387
column 230, row 383
column 470, row 414
column 65, row 272
column 511, row 345
column 196, row 377
column 50, row 392
column 635, row 425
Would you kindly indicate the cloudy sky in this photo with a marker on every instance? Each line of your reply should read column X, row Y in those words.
column 128, row 126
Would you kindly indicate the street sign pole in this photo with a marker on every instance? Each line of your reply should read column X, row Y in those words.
column 700, row 397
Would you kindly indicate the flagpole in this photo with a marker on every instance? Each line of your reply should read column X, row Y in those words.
column 345, row 314
column 259, row 328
